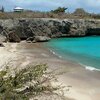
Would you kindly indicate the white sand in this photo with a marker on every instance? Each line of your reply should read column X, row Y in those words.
column 85, row 84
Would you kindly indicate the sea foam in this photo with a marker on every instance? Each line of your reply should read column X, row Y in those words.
column 91, row 68
column 55, row 53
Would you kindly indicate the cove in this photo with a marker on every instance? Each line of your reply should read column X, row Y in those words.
column 83, row 50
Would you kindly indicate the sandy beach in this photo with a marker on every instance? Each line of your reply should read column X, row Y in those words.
column 81, row 84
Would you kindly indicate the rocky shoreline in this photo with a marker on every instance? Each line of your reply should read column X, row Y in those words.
column 42, row 29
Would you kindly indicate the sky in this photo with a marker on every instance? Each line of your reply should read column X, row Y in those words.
column 92, row 6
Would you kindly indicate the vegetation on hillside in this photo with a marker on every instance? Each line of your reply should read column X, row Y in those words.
column 60, row 12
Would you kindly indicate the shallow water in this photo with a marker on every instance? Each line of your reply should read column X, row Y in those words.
column 84, row 50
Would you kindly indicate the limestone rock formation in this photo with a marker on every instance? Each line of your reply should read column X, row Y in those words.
column 23, row 29
column 41, row 39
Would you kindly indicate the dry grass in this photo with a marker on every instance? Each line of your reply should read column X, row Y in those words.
column 37, row 14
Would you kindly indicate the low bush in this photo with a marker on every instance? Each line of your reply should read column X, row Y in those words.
column 28, row 82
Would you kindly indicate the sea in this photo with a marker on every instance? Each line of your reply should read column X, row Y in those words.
column 82, row 50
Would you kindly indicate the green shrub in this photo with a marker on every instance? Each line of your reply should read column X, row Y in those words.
column 59, row 10
column 30, row 81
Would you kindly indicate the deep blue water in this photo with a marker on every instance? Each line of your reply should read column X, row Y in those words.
column 84, row 50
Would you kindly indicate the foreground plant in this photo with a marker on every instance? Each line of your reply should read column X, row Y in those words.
column 26, row 83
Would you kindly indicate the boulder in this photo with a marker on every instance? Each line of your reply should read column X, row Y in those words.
column 13, row 37
column 3, row 38
column 31, row 40
column 1, row 45
column 41, row 38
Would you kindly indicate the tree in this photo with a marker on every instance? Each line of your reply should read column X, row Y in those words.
column 2, row 9
column 80, row 11
column 59, row 10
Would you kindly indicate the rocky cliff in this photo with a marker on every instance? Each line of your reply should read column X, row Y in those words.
column 16, row 29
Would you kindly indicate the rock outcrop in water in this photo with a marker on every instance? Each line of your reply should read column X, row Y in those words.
column 23, row 29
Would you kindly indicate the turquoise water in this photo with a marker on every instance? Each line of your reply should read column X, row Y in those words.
column 84, row 50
